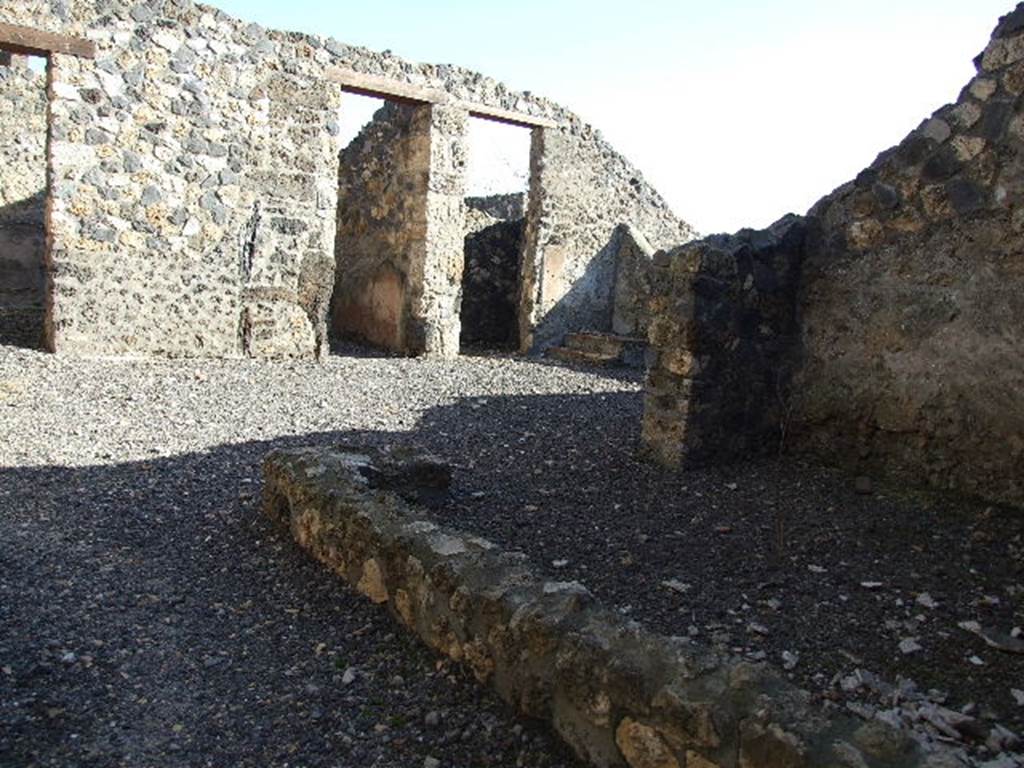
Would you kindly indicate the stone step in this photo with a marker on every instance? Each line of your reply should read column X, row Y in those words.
column 601, row 349
column 582, row 357
column 604, row 343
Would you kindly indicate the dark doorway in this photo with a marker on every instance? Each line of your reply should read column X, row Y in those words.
column 23, row 136
column 495, row 225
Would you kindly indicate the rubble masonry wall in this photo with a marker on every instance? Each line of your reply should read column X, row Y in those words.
column 195, row 170
column 895, row 345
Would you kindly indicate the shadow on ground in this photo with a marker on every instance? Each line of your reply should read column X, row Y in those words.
column 150, row 614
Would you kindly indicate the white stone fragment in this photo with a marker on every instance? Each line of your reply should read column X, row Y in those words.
column 445, row 545
column 65, row 91
column 927, row 601
column 111, row 83
column 167, row 41
column 909, row 645
column 554, row 587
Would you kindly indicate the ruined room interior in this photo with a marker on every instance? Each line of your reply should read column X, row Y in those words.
column 318, row 452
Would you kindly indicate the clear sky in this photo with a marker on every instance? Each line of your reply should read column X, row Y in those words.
column 738, row 111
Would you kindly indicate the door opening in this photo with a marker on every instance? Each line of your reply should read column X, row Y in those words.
column 498, row 181
column 23, row 189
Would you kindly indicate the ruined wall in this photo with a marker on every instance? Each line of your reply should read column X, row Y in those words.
column 912, row 310
column 382, row 185
column 490, row 280
column 187, row 213
column 190, row 210
column 195, row 169
column 188, row 216
column 908, row 360
column 400, row 219
column 580, row 191
column 723, row 333
column 504, row 207
column 634, row 260
column 436, row 293
column 22, row 203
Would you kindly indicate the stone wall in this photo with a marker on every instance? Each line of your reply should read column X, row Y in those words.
column 723, row 334
column 193, row 189
column 580, row 192
column 618, row 694
column 195, row 167
column 436, row 294
column 505, row 207
column 634, row 262
column 22, row 203
column 490, row 280
column 908, row 356
column 400, row 219
column 912, row 310
column 382, row 186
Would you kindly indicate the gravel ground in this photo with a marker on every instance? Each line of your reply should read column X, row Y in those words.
column 148, row 615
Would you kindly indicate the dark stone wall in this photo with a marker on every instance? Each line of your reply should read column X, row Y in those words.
column 889, row 336
column 491, row 276
column 723, row 333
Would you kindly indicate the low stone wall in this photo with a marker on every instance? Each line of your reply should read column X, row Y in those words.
column 22, row 203
column 723, row 331
column 617, row 694
column 491, row 277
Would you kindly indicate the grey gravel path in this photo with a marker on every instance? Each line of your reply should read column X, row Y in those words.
column 149, row 616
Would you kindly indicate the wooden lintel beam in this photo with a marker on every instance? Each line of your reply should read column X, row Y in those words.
column 407, row 93
column 34, row 42
column 382, row 87
column 507, row 116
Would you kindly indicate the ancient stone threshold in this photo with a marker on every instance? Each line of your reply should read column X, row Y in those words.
column 601, row 349
column 618, row 694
